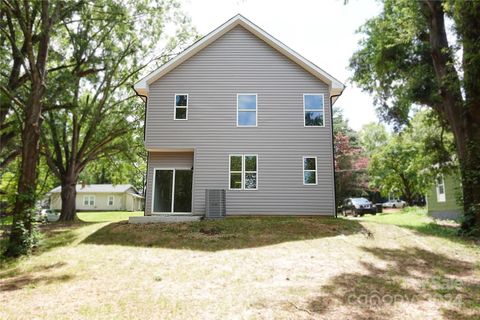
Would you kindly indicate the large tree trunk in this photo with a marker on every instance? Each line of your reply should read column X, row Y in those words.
column 68, row 194
column 470, row 171
column 21, row 236
column 25, row 201
column 407, row 191
column 462, row 116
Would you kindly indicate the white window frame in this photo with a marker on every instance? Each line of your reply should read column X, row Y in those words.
column 248, row 110
column 113, row 200
column 89, row 200
column 182, row 107
column 303, row 171
column 314, row 110
column 242, row 172
column 441, row 197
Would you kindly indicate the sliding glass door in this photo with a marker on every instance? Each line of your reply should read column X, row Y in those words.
column 172, row 191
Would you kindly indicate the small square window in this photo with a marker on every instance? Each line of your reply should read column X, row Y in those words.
column 235, row 180
column 181, row 107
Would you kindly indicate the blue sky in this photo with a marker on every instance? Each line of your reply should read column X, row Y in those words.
column 323, row 31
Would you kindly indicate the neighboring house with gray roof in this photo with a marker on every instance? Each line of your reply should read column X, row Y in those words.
column 240, row 111
column 101, row 197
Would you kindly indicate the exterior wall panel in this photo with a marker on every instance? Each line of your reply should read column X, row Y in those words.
column 239, row 62
column 450, row 208
column 166, row 160
column 101, row 202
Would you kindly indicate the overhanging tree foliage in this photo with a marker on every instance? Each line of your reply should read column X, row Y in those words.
column 406, row 59
column 405, row 163
column 58, row 58
column 101, row 118
column 347, row 153
column 26, row 28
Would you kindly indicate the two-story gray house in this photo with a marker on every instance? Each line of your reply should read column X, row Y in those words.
column 240, row 111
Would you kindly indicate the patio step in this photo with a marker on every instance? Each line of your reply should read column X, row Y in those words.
column 163, row 219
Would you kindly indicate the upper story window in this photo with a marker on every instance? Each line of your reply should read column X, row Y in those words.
column 246, row 110
column 243, row 172
column 313, row 109
column 309, row 170
column 440, row 189
column 181, row 107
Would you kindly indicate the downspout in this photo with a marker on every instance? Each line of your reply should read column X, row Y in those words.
column 333, row 151
column 144, row 189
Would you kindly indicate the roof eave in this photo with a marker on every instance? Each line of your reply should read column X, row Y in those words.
column 142, row 86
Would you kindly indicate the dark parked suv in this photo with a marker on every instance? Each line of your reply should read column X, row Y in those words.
column 357, row 206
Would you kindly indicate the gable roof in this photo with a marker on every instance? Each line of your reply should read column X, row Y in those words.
column 99, row 188
column 142, row 86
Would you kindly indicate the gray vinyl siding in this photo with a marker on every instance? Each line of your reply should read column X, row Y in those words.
column 239, row 62
column 166, row 160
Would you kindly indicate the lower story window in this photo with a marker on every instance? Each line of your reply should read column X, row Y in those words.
column 110, row 200
column 89, row 200
column 243, row 171
column 309, row 170
column 440, row 189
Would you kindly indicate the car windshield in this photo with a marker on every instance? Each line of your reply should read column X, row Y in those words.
column 360, row 201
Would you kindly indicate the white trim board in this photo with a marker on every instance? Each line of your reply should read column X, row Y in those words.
column 142, row 86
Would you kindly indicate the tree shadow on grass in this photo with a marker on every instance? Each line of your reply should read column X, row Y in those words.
column 450, row 232
column 411, row 275
column 230, row 233
column 14, row 277
column 29, row 280
column 52, row 236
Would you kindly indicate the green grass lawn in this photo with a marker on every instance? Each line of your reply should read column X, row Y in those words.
column 230, row 233
column 416, row 218
column 262, row 267
column 105, row 216
column 56, row 234
column 94, row 216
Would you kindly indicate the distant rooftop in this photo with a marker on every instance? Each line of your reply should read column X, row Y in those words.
column 99, row 188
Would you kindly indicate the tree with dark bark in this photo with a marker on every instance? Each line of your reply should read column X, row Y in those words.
column 406, row 59
column 101, row 117
column 26, row 29
column 55, row 57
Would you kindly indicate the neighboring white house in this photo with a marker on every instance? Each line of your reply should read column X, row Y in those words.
column 101, row 197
